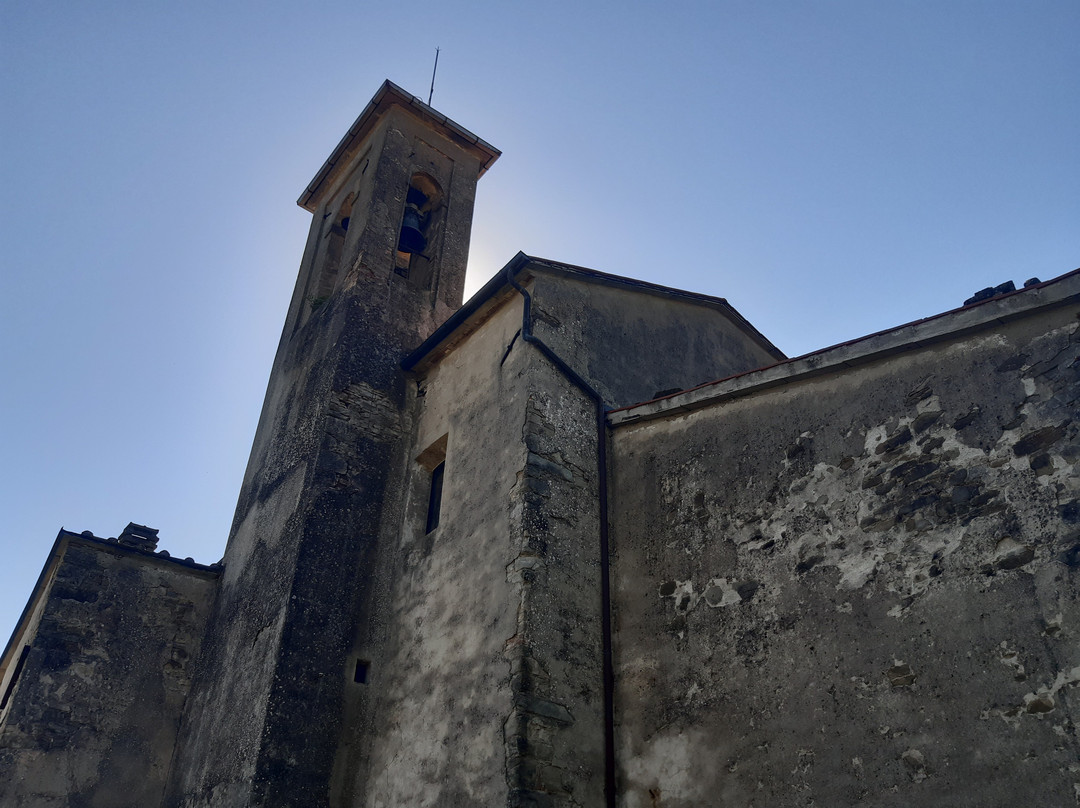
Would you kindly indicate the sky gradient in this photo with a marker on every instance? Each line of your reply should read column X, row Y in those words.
column 831, row 168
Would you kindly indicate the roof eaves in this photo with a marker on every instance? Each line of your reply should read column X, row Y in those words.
column 367, row 117
column 666, row 291
column 516, row 264
column 156, row 555
column 486, row 293
column 920, row 333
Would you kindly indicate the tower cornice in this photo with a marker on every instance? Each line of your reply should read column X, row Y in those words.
column 390, row 95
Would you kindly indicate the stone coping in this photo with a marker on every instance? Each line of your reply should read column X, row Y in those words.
column 1059, row 291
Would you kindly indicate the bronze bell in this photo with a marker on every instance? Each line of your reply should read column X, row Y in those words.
column 411, row 239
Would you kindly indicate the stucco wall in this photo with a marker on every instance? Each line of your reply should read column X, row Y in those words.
column 96, row 710
column 485, row 687
column 858, row 589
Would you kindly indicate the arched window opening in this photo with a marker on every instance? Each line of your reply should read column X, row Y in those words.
column 345, row 212
column 420, row 222
column 433, row 461
column 335, row 247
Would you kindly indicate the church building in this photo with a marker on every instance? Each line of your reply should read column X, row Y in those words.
column 581, row 541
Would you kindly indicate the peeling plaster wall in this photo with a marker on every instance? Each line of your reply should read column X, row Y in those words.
column 860, row 588
column 631, row 344
column 95, row 713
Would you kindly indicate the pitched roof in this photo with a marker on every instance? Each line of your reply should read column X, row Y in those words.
column 469, row 317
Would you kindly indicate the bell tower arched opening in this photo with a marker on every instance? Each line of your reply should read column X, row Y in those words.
column 335, row 248
column 421, row 226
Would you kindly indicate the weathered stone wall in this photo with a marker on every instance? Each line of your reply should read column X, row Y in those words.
column 858, row 589
column 555, row 734
column 633, row 344
column 94, row 716
column 482, row 672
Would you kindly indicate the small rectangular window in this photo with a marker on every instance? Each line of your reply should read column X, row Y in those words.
column 361, row 672
column 435, row 497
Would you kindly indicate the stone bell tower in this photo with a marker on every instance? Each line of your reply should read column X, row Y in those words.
column 392, row 210
column 383, row 267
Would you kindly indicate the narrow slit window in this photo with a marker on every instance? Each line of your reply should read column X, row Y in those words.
column 15, row 676
column 360, row 674
column 435, row 497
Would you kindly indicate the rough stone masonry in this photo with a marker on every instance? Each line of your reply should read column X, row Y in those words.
column 859, row 586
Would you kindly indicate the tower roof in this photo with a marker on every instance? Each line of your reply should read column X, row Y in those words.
column 388, row 95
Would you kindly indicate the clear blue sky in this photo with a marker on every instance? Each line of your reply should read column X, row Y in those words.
column 832, row 168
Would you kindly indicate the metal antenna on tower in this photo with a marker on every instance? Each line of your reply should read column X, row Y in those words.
column 432, row 92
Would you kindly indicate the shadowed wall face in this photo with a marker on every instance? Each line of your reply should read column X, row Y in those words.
column 634, row 346
column 860, row 585
column 94, row 715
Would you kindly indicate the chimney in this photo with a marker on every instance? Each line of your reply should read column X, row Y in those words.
column 140, row 537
